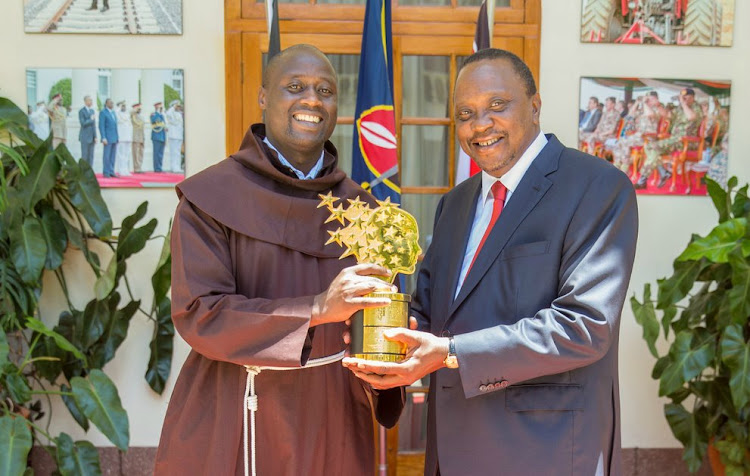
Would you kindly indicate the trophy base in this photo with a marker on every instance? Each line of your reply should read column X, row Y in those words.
column 380, row 357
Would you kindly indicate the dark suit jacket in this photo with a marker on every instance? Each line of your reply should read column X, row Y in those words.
column 108, row 125
column 87, row 134
column 596, row 116
column 536, row 322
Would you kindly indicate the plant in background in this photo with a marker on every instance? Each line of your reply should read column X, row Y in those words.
column 64, row 87
column 51, row 210
column 705, row 319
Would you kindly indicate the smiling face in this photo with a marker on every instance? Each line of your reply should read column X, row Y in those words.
column 300, row 104
column 496, row 119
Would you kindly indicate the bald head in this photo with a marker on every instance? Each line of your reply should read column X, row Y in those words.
column 281, row 60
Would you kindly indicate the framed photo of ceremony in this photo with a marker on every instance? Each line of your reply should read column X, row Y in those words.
column 128, row 17
column 128, row 124
column 675, row 22
column 666, row 134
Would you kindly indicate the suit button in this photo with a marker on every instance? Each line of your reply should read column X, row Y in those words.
column 501, row 384
column 483, row 388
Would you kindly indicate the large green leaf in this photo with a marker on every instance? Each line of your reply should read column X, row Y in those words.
column 689, row 431
column 688, row 356
column 739, row 294
column 98, row 399
column 645, row 315
column 87, row 197
column 677, row 286
column 718, row 243
column 18, row 298
column 63, row 343
column 4, row 347
column 114, row 335
column 735, row 352
column 76, row 459
column 25, row 134
column 72, row 406
column 15, row 441
column 77, row 238
column 136, row 240
column 161, row 280
column 12, row 114
column 18, row 388
column 55, row 235
column 43, row 169
column 96, row 317
column 741, row 204
column 160, row 362
column 720, row 197
column 128, row 223
column 106, row 282
column 28, row 249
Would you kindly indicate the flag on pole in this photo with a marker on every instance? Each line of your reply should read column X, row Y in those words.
column 466, row 167
column 272, row 17
column 374, row 157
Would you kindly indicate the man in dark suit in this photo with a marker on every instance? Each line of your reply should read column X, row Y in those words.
column 108, row 131
column 87, row 134
column 158, row 135
column 519, row 296
column 591, row 117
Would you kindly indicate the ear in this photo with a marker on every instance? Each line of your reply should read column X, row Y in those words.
column 536, row 108
column 262, row 98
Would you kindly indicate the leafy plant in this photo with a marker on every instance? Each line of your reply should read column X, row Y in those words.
column 64, row 87
column 705, row 318
column 170, row 94
column 51, row 209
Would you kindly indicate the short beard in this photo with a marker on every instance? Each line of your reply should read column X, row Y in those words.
column 509, row 161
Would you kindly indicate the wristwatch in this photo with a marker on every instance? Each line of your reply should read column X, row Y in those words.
column 451, row 360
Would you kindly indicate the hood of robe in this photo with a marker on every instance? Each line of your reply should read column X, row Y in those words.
column 252, row 193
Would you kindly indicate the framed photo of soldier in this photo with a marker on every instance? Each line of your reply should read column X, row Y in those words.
column 128, row 17
column 666, row 134
column 673, row 22
column 128, row 124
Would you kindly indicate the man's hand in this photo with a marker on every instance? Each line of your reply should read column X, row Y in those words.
column 425, row 354
column 345, row 295
column 104, row 141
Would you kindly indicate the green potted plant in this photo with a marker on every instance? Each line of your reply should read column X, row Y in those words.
column 704, row 317
column 52, row 212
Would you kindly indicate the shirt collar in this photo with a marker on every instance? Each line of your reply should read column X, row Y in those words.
column 310, row 175
column 513, row 177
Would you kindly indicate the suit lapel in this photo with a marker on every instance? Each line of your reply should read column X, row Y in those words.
column 529, row 192
column 453, row 249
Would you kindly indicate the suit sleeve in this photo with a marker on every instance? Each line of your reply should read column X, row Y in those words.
column 213, row 318
column 101, row 125
column 591, row 127
column 583, row 320
column 84, row 118
column 421, row 300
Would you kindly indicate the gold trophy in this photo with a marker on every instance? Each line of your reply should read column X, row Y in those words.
column 387, row 236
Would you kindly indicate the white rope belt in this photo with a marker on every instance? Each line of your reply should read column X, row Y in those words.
column 251, row 400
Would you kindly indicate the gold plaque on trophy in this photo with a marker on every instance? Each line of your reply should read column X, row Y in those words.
column 387, row 236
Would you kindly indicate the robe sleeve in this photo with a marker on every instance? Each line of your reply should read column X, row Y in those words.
column 388, row 405
column 213, row 318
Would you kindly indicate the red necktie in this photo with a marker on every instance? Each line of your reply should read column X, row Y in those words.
column 498, row 192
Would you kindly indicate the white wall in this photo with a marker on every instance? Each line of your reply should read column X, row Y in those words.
column 666, row 222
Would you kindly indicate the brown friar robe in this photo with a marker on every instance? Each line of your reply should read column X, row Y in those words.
column 248, row 256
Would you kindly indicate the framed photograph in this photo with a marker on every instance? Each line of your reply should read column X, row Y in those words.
column 128, row 124
column 666, row 134
column 662, row 22
column 120, row 17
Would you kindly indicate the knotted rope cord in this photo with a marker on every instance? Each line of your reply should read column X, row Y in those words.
column 250, row 402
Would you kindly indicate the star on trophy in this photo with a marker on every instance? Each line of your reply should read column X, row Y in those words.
column 387, row 236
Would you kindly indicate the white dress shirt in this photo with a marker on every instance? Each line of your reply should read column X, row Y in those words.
column 310, row 175
column 486, row 201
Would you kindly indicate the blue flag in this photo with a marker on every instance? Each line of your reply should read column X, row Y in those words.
column 374, row 157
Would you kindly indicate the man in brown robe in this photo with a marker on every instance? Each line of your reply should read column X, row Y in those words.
column 254, row 284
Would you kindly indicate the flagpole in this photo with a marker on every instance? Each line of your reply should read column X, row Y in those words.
column 491, row 18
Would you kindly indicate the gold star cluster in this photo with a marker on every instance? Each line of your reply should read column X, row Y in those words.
column 385, row 235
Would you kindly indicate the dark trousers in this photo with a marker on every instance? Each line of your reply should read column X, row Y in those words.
column 105, row 3
column 158, row 154
column 87, row 152
column 109, row 159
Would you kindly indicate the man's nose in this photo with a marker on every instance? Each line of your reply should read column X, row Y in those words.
column 311, row 97
column 482, row 122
